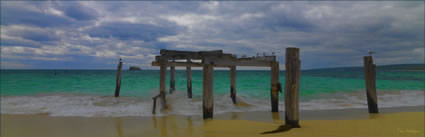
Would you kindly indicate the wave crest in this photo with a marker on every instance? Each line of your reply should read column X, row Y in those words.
column 109, row 106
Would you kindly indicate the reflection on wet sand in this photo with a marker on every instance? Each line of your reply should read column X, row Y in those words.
column 171, row 124
column 275, row 116
column 155, row 125
column 189, row 125
column 118, row 126
column 373, row 116
column 207, row 130
column 163, row 126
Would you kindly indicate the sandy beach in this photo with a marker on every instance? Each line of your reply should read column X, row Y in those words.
column 397, row 122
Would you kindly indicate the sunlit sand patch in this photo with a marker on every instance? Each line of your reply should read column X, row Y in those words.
column 398, row 124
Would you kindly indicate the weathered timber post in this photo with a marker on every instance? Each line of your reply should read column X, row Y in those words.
column 275, row 86
column 118, row 86
column 208, row 98
column 189, row 80
column 292, row 86
column 162, row 79
column 233, row 83
column 370, row 78
column 154, row 105
column 172, row 78
column 154, row 102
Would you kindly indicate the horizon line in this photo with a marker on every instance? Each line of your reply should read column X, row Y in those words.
column 177, row 68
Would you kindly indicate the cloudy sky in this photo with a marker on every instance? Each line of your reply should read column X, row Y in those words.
column 94, row 35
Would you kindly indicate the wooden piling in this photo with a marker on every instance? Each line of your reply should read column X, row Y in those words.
column 292, row 85
column 172, row 78
column 154, row 102
column 162, row 79
column 189, row 80
column 118, row 81
column 370, row 78
column 212, row 59
column 208, row 98
column 154, row 106
column 275, row 86
column 233, row 83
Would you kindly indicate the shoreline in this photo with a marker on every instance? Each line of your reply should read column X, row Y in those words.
column 87, row 105
column 397, row 121
column 319, row 114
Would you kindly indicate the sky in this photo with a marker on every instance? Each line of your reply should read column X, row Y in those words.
column 95, row 34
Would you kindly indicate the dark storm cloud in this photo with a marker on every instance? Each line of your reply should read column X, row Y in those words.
column 18, row 15
column 78, row 12
column 329, row 34
column 46, row 14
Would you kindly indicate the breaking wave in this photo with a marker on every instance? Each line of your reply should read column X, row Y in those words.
column 179, row 104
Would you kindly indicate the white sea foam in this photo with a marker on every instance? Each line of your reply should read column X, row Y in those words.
column 108, row 106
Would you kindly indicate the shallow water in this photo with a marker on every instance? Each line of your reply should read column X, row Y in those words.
column 89, row 92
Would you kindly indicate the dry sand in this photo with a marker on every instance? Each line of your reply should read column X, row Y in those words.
column 397, row 122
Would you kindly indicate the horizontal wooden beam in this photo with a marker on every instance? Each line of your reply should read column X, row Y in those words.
column 215, row 58
column 190, row 56
column 176, row 55
column 185, row 64
column 221, row 63
column 176, row 52
column 238, row 62
column 264, row 61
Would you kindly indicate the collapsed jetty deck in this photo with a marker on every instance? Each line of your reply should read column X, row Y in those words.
column 210, row 59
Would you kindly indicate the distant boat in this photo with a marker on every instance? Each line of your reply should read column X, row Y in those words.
column 134, row 68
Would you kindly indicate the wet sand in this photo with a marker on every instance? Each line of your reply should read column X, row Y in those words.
column 397, row 122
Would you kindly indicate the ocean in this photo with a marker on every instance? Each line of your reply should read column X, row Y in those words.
column 90, row 93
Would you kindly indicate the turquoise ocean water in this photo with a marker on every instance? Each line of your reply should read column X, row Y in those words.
column 89, row 92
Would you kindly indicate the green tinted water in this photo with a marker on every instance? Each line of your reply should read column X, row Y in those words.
column 146, row 83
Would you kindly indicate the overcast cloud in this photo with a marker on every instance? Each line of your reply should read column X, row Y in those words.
column 94, row 35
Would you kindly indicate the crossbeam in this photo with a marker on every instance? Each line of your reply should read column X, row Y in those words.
column 217, row 64
column 177, row 55
column 225, row 62
column 209, row 60
column 176, row 52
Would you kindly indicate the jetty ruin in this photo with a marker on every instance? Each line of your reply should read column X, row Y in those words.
column 210, row 59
